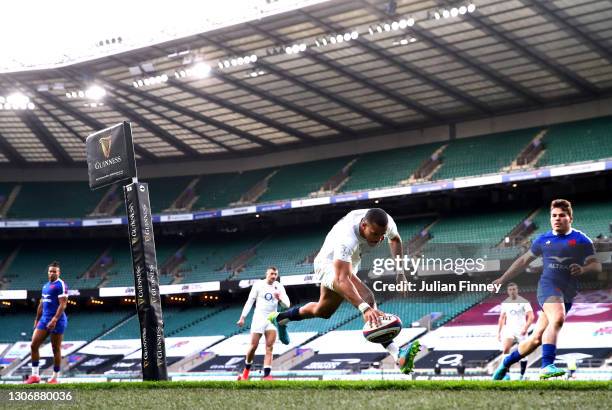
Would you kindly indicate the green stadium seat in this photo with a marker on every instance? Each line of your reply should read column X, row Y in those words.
column 578, row 141
column 482, row 155
column 387, row 168
column 220, row 190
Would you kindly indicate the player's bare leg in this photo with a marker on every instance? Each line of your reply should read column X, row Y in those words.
column 255, row 337
column 270, row 339
column 38, row 337
column 328, row 303
column 56, row 346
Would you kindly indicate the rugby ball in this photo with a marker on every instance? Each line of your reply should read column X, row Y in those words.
column 389, row 327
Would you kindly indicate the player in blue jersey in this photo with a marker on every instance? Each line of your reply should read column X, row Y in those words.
column 50, row 320
column 566, row 254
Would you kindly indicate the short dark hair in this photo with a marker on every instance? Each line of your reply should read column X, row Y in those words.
column 562, row 204
column 511, row 284
column 377, row 216
column 54, row 264
column 274, row 268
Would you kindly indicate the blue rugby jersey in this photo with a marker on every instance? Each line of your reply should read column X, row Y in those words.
column 51, row 293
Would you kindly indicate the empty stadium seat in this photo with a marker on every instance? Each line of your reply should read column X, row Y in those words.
column 387, row 168
column 482, row 155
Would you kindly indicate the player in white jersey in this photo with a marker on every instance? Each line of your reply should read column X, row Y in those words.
column 336, row 267
column 514, row 321
column 266, row 294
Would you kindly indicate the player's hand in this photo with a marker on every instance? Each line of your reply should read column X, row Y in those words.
column 276, row 295
column 499, row 337
column 576, row 269
column 51, row 324
column 498, row 281
column 240, row 322
column 372, row 316
column 523, row 332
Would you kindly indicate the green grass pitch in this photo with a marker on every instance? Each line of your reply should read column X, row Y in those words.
column 328, row 394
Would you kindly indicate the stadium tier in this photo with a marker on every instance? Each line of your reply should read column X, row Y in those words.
column 163, row 192
column 207, row 322
column 288, row 252
column 208, row 260
column 90, row 325
column 578, row 141
column 38, row 200
column 299, row 180
column 29, row 268
column 482, row 155
column 387, row 168
column 221, row 190
column 14, row 324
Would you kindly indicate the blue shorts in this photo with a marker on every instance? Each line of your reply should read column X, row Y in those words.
column 60, row 326
column 547, row 289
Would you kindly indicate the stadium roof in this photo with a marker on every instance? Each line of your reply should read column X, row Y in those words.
column 335, row 71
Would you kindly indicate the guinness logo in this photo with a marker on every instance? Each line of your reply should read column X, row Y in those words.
column 105, row 143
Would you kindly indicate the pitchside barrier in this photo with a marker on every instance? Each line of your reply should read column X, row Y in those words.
column 110, row 160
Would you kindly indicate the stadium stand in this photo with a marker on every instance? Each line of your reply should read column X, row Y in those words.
column 578, row 141
column 14, row 324
column 493, row 153
column 386, row 168
column 299, row 180
column 289, row 253
column 208, row 260
column 220, row 322
column 221, row 190
column 164, row 191
column 54, row 200
column 345, row 313
column 29, row 269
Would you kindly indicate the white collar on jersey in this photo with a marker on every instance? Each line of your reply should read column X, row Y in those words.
column 563, row 234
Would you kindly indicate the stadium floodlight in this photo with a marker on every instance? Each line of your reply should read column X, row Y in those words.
column 436, row 15
column 454, row 12
column 134, row 84
column 412, row 39
column 354, row 35
column 164, row 78
column 445, row 13
column 371, row 31
column 295, row 48
column 339, row 38
column 379, row 28
column 18, row 100
column 68, row 95
column 95, row 92
column 226, row 64
column 462, row 10
column 220, row 65
column 2, row 100
column 395, row 25
column 347, row 36
column 410, row 22
column 253, row 58
column 81, row 94
column 288, row 50
column 201, row 70
column 303, row 47
column 471, row 8
column 324, row 41
column 240, row 60
column 403, row 41
column 332, row 40
column 387, row 27
column 140, row 83
column 403, row 23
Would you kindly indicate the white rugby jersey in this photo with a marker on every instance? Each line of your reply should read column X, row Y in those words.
column 516, row 312
column 262, row 295
column 345, row 243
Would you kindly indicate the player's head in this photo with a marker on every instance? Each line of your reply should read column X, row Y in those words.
column 374, row 226
column 512, row 290
column 561, row 215
column 53, row 270
column 271, row 274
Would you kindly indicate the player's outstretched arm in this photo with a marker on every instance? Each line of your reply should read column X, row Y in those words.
column 345, row 287
column 517, row 267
